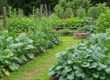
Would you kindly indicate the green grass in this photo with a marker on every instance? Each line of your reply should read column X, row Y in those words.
column 37, row 69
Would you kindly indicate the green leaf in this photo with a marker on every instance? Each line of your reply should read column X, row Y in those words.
column 14, row 66
column 107, row 70
column 69, row 62
column 59, row 67
column 31, row 56
column 6, row 54
column 102, row 77
column 71, row 76
column 95, row 75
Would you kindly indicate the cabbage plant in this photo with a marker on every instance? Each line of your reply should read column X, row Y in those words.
column 89, row 60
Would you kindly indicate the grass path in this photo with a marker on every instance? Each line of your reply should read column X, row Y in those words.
column 37, row 69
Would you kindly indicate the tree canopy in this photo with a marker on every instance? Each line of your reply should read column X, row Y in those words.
column 27, row 5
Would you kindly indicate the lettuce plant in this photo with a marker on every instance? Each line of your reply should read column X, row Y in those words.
column 89, row 60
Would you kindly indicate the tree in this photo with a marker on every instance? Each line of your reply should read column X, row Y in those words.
column 27, row 5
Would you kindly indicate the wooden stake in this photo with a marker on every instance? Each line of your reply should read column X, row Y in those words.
column 4, row 17
column 46, row 10
column 41, row 8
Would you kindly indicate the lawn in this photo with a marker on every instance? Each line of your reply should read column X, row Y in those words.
column 37, row 69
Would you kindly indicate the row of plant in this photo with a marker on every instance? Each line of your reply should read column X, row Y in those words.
column 69, row 26
column 71, row 23
column 89, row 60
column 24, row 39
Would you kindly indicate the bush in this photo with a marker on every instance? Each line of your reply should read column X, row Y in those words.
column 70, row 6
column 81, row 12
column 59, row 11
column 89, row 26
column 103, row 22
column 68, row 23
column 89, row 60
column 21, row 24
column 17, row 49
column 65, row 32
column 96, row 11
column 93, row 12
column 68, row 13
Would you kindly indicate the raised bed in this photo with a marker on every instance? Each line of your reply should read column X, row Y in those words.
column 80, row 35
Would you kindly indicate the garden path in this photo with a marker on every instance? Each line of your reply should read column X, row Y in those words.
column 37, row 69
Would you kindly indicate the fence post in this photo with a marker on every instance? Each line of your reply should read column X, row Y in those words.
column 4, row 17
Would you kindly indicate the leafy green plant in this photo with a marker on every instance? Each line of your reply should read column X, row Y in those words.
column 88, row 25
column 96, row 11
column 59, row 11
column 89, row 60
column 21, row 24
column 81, row 12
column 103, row 22
column 70, row 6
column 65, row 32
column 68, row 13
column 16, row 50
column 68, row 23
column 108, row 31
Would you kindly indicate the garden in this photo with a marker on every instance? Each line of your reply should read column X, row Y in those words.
column 54, row 40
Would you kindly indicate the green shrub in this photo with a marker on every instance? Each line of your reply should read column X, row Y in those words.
column 70, row 6
column 103, row 22
column 89, row 25
column 96, row 11
column 108, row 31
column 14, row 51
column 17, row 49
column 65, row 32
column 89, row 60
column 81, row 12
column 21, row 24
column 59, row 11
column 68, row 23
column 68, row 13
column 93, row 12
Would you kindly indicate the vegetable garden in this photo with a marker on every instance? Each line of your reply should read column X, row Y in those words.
column 76, row 31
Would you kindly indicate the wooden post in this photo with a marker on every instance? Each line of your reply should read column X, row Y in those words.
column 41, row 8
column 49, row 11
column 4, row 17
column 46, row 10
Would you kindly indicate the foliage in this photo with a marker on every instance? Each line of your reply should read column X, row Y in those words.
column 1, row 5
column 103, row 22
column 88, row 25
column 68, row 13
column 27, row 6
column 68, row 23
column 89, row 60
column 59, row 11
column 81, row 12
column 14, row 51
column 80, row 4
column 96, row 11
column 47, row 59
column 45, row 37
column 71, row 6
column 93, row 12
column 24, row 41
column 65, row 32
column 108, row 31
column 21, row 24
